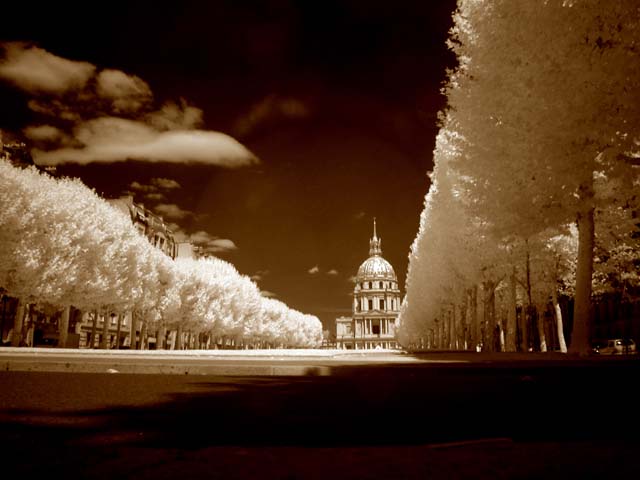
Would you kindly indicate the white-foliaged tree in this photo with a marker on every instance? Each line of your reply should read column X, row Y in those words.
column 546, row 98
column 62, row 245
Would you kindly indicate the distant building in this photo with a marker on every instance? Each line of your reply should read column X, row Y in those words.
column 149, row 224
column 376, row 304
column 188, row 250
column 17, row 153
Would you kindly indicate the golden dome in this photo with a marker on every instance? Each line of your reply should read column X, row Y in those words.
column 375, row 267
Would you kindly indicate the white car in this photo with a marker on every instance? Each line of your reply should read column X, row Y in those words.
column 618, row 346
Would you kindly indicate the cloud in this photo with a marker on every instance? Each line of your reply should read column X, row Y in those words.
column 173, row 116
column 45, row 133
column 313, row 270
column 333, row 271
column 179, row 234
column 112, row 139
column 127, row 93
column 172, row 211
column 139, row 187
column 56, row 109
column 272, row 108
column 212, row 244
column 92, row 109
column 259, row 275
column 165, row 183
column 353, row 279
column 156, row 197
column 359, row 215
column 221, row 245
column 153, row 191
column 35, row 70
column 268, row 294
column 155, row 185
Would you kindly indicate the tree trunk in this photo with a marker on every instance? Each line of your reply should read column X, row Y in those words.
column 584, row 273
column 63, row 327
column 488, row 320
column 133, row 331
column 558, row 317
column 161, row 340
column 450, row 328
column 475, row 324
column 118, row 328
column 18, row 322
column 540, row 323
column 179, row 338
column 463, row 324
column 94, row 329
column 143, row 335
column 510, row 341
column 105, row 330
column 5, row 299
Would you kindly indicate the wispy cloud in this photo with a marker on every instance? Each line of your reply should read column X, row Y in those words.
column 268, row 294
column 165, row 183
column 155, row 197
column 212, row 244
column 155, row 185
column 172, row 211
column 109, row 116
column 113, row 139
column 37, row 71
column 333, row 271
column 127, row 93
column 259, row 275
column 271, row 108
column 155, row 190
column 313, row 270
column 47, row 134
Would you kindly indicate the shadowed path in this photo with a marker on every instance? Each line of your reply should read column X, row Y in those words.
column 483, row 419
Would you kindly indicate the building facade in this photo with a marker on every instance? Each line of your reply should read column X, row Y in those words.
column 149, row 224
column 376, row 304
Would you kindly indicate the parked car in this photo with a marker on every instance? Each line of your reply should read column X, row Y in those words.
column 616, row 346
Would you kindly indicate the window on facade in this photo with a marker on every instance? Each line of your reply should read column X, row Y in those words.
column 375, row 327
column 370, row 304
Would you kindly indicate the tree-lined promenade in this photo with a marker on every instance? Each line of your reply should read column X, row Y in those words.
column 534, row 194
column 64, row 247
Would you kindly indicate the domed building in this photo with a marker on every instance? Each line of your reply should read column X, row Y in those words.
column 376, row 304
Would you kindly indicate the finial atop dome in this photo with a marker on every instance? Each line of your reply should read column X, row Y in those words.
column 375, row 242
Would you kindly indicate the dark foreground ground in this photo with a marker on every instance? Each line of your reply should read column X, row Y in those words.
column 481, row 419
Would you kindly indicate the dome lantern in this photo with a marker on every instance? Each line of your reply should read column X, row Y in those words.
column 375, row 244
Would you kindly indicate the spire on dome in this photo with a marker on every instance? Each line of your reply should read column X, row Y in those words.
column 375, row 242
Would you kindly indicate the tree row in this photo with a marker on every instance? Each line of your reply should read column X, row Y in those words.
column 63, row 246
column 534, row 195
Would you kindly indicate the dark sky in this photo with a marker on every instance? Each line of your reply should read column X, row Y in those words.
column 367, row 76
